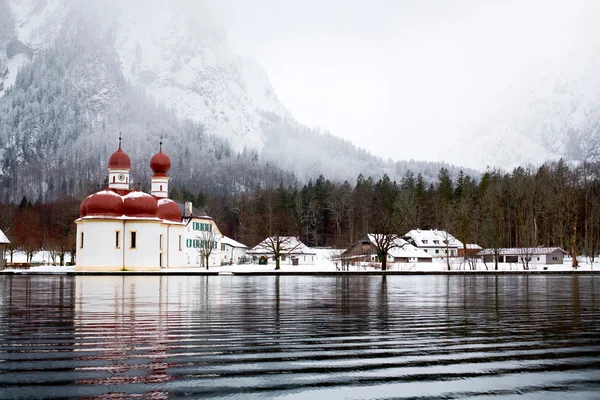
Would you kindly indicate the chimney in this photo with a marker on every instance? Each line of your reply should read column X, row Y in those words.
column 187, row 212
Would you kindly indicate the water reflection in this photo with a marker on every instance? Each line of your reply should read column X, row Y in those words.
column 299, row 336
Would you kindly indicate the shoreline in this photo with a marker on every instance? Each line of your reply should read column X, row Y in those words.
column 298, row 273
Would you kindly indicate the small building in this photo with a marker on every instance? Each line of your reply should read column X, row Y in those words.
column 471, row 250
column 293, row 251
column 531, row 255
column 233, row 252
column 365, row 249
column 435, row 242
column 3, row 242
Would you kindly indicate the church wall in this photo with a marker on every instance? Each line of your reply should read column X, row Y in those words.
column 175, row 255
column 145, row 256
column 99, row 251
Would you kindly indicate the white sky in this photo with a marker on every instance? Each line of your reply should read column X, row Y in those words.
column 403, row 77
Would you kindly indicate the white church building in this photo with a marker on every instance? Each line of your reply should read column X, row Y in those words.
column 120, row 229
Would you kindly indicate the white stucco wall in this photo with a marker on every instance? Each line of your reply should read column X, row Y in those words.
column 99, row 250
column 146, row 255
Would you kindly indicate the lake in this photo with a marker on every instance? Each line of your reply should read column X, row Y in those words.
column 297, row 337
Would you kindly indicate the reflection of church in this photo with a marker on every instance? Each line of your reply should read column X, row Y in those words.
column 123, row 229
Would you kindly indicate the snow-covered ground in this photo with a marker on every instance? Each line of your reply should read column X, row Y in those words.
column 324, row 263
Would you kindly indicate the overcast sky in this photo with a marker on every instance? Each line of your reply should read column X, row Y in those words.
column 414, row 73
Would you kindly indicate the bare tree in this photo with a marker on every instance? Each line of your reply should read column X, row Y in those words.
column 279, row 246
column 207, row 242
column 386, row 242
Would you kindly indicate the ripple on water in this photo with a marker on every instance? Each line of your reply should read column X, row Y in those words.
column 293, row 337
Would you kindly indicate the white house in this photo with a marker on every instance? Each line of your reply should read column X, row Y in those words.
column 435, row 242
column 232, row 252
column 293, row 251
column 122, row 229
column 530, row 255
column 3, row 242
column 366, row 249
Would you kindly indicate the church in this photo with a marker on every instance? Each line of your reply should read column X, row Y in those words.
column 120, row 229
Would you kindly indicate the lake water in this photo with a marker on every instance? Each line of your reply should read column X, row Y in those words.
column 297, row 337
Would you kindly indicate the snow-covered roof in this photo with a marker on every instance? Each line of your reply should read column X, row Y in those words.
column 433, row 238
column 522, row 251
column 289, row 244
column 229, row 241
column 473, row 246
column 402, row 248
column 3, row 238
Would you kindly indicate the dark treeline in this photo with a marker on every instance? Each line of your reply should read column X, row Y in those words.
column 553, row 205
column 41, row 226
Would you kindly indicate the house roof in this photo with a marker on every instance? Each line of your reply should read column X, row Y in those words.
column 3, row 238
column 518, row 251
column 473, row 246
column 402, row 248
column 428, row 238
column 232, row 243
column 291, row 244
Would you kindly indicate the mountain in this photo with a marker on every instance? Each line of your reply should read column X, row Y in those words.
column 76, row 73
column 555, row 115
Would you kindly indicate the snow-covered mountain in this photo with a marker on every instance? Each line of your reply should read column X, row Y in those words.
column 77, row 72
column 554, row 115
column 182, row 61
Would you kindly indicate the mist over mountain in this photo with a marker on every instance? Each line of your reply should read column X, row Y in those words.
column 554, row 116
column 75, row 73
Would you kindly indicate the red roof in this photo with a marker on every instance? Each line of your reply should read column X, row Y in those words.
column 160, row 164
column 104, row 203
column 119, row 160
column 140, row 204
column 169, row 210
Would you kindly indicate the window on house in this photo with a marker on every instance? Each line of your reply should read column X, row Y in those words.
column 282, row 258
column 222, row 247
column 437, row 252
column 160, row 244
column 424, row 241
column 180, row 243
column 117, row 244
column 81, row 241
column 436, row 242
column 133, row 240
column 425, row 250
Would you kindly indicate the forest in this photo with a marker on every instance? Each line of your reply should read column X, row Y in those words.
column 556, row 204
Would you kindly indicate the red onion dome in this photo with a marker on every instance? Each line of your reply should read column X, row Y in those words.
column 83, row 207
column 160, row 164
column 140, row 204
column 169, row 210
column 119, row 160
column 104, row 203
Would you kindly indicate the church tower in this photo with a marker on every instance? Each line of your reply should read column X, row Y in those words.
column 160, row 165
column 119, row 166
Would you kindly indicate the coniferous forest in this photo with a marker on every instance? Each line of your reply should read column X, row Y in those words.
column 552, row 205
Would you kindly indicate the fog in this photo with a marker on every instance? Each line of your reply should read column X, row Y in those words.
column 415, row 74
